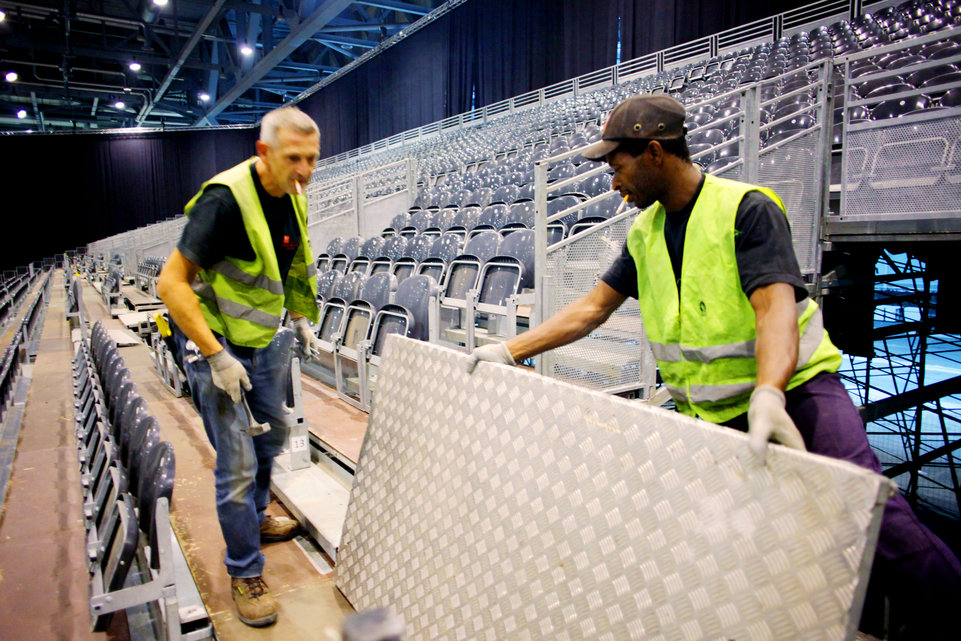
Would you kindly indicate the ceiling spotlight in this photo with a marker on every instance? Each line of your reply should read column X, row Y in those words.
column 246, row 50
column 160, row 3
column 134, row 66
column 204, row 97
column 12, row 76
column 22, row 114
column 119, row 104
column 3, row 15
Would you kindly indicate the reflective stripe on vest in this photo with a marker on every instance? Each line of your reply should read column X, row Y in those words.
column 808, row 344
column 703, row 332
column 235, row 309
column 262, row 281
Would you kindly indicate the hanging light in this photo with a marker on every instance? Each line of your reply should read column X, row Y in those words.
column 119, row 104
column 135, row 66
column 22, row 114
column 3, row 15
column 12, row 76
column 204, row 97
column 246, row 50
column 160, row 3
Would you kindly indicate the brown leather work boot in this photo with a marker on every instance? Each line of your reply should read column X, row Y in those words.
column 278, row 528
column 255, row 605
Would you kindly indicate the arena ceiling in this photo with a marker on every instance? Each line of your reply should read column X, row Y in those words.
column 98, row 64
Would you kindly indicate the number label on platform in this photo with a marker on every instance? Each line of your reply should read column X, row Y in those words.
column 298, row 443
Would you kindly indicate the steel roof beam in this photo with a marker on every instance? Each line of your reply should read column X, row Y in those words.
column 188, row 48
column 343, row 40
column 393, row 5
column 326, row 11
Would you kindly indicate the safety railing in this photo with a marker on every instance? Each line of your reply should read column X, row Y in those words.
column 901, row 139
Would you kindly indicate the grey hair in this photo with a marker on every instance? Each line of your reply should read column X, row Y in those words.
column 290, row 118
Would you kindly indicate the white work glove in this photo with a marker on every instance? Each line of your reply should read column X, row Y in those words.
column 306, row 337
column 228, row 374
column 767, row 420
column 494, row 353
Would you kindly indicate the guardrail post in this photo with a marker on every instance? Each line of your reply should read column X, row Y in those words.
column 540, row 248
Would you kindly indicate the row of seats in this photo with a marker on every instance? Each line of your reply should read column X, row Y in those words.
column 432, row 297
column 127, row 473
column 527, row 135
column 110, row 287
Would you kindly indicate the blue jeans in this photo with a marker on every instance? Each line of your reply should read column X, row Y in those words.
column 242, row 472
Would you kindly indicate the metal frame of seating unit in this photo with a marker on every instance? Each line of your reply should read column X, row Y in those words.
column 134, row 246
column 127, row 476
column 901, row 148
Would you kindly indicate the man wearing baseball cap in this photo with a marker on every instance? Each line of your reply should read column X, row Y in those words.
column 737, row 340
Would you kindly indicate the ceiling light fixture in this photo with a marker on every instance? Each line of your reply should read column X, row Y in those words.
column 204, row 97
column 119, row 104
column 22, row 114
column 12, row 76
column 134, row 66
column 160, row 3
column 246, row 50
column 3, row 15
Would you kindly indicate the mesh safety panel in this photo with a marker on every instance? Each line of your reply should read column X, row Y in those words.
column 908, row 170
column 330, row 212
column 616, row 355
column 792, row 171
column 505, row 505
column 384, row 181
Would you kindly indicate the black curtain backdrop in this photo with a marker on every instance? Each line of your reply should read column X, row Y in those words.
column 81, row 188
column 488, row 50
column 88, row 187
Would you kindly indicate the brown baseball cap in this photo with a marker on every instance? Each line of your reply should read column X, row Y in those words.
column 641, row 117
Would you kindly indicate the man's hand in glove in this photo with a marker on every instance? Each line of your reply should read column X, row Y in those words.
column 306, row 337
column 494, row 353
column 228, row 374
column 768, row 421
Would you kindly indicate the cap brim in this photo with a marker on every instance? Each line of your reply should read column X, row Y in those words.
column 600, row 149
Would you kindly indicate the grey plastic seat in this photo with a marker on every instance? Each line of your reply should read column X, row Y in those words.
column 418, row 247
column 479, row 197
column 146, row 434
column 505, row 194
column 119, row 401
column 407, row 315
column 899, row 107
column 372, row 247
column 394, row 248
column 156, row 482
column 493, row 217
column 444, row 219
column 399, row 221
column 333, row 247
column 377, row 290
column 465, row 220
column 520, row 245
column 483, row 245
column 129, row 417
column 521, row 215
column 325, row 284
column 323, row 262
column 595, row 185
column 561, row 203
column 420, row 220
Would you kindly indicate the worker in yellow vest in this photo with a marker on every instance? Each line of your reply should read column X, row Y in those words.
column 244, row 256
column 736, row 338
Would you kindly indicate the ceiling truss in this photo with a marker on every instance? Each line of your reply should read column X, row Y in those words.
column 72, row 57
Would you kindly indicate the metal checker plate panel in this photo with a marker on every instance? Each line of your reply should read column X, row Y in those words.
column 507, row 505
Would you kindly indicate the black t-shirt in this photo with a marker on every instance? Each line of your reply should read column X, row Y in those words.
column 215, row 228
column 762, row 248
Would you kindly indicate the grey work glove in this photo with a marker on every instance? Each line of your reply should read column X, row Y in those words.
column 306, row 337
column 767, row 420
column 494, row 353
column 228, row 374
